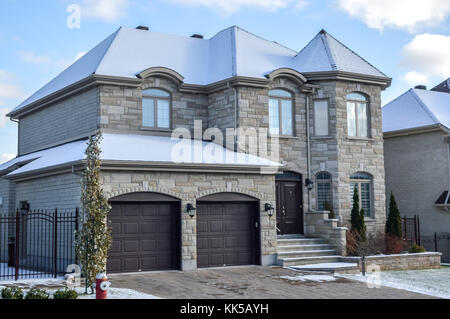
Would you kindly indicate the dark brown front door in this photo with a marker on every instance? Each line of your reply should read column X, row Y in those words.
column 144, row 236
column 226, row 234
column 289, row 207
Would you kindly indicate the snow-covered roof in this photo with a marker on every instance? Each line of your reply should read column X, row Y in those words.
column 325, row 53
column 417, row 108
column 138, row 148
column 231, row 52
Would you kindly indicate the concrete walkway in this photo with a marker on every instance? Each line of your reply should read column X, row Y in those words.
column 249, row 282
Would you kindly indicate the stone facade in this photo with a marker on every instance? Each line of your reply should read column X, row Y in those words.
column 189, row 187
column 121, row 107
column 398, row 262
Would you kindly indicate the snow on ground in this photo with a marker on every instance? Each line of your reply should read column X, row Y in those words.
column 10, row 271
column 34, row 282
column 315, row 278
column 432, row 282
column 324, row 266
column 119, row 293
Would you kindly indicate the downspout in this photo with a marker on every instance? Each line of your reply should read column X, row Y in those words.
column 235, row 112
column 308, row 146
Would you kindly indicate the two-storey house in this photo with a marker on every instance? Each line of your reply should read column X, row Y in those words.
column 300, row 130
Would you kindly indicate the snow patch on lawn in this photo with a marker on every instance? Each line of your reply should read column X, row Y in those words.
column 34, row 282
column 432, row 282
column 119, row 293
column 315, row 278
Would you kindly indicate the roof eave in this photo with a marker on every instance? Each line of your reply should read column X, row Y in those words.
column 416, row 130
column 382, row 81
column 84, row 84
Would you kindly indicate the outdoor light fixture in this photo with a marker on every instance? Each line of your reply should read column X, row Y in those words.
column 190, row 210
column 269, row 209
column 309, row 184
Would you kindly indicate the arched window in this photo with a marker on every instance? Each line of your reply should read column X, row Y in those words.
column 156, row 111
column 363, row 183
column 357, row 115
column 281, row 113
column 323, row 185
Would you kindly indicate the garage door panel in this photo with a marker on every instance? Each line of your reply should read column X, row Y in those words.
column 144, row 237
column 131, row 246
column 130, row 228
column 226, row 234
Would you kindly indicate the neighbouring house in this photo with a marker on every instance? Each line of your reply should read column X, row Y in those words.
column 191, row 203
column 417, row 159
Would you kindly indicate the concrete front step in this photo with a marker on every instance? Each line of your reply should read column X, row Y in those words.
column 290, row 236
column 300, row 241
column 329, row 267
column 307, row 253
column 304, row 247
column 287, row 262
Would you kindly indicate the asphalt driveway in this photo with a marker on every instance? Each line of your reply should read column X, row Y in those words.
column 252, row 282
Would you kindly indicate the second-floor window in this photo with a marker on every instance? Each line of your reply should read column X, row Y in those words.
column 321, row 118
column 357, row 115
column 281, row 113
column 156, row 109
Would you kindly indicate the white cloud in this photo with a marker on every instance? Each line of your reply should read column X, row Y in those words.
column 403, row 14
column 3, row 118
column 33, row 58
column 6, row 76
column 427, row 55
column 414, row 78
column 230, row 6
column 4, row 157
column 107, row 10
column 11, row 91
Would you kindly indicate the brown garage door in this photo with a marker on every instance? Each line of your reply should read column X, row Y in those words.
column 145, row 236
column 227, row 234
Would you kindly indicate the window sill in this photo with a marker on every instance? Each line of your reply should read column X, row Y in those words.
column 283, row 136
column 369, row 219
column 156, row 129
column 362, row 139
column 322, row 137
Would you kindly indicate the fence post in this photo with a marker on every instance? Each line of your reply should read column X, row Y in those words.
column 76, row 234
column 404, row 227
column 418, row 230
column 435, row 242
column 16, row 257
column 55, row 243
column 415, row 229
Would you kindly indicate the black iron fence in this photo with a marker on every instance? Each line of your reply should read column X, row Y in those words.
column 411, row 229
column 438, row 241
column 37, row 244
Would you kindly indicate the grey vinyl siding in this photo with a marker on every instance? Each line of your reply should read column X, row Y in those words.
column 47, row 193
column 7, row 192
column 60, row 122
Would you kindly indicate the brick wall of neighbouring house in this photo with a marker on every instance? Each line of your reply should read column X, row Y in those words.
column 73, row 117
column 191, row 186
column 121, row 107
column 47, row 193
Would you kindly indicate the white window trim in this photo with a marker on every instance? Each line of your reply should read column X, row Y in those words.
column 357, row 136
column 358, row 182
column 155, row 109
column 280, row 113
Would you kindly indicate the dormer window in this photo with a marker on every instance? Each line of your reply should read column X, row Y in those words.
column 281, row 113
column 156, row 111
column 357, row 115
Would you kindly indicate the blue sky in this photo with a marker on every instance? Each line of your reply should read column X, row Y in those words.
column 409, row 40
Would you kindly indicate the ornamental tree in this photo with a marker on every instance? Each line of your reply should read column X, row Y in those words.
column 394, row 221
column 357, row 217
column 93, row 240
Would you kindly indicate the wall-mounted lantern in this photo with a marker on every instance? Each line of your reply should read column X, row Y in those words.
column 190, row 210
column 309, row 184
column 269, row 209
